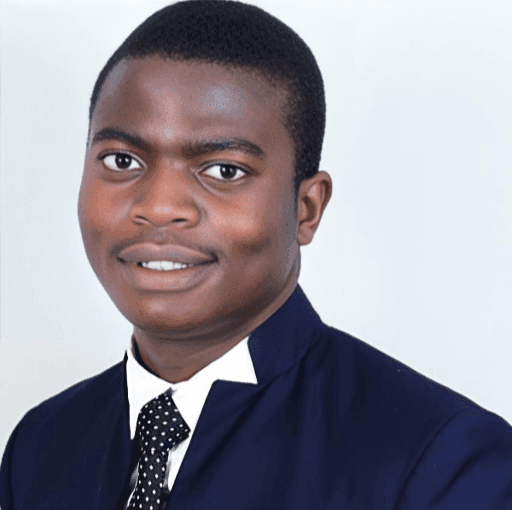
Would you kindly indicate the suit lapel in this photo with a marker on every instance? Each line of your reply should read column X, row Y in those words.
column 274, row 346
column 284, row 338
column 116, row 462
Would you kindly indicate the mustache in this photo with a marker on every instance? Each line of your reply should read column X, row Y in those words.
column 162, row 238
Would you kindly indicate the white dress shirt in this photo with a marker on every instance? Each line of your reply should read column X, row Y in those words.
column 189, row 396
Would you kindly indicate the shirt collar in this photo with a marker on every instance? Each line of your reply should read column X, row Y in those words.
column 189, row 396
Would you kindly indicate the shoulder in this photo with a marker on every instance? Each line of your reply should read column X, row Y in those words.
column 369, row 373
column 466, row 464
column 385, row 401
column 420, row 433
column 69, row 426
column 79, row 402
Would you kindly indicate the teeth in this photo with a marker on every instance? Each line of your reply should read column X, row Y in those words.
column 164, row 265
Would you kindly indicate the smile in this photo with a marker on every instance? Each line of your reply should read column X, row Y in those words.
column 164, row 265
column 150, row 267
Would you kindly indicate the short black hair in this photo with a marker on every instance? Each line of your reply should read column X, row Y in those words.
column 235, row 34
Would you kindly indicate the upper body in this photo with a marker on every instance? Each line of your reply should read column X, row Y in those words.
column 331, row 423
column 201, row 185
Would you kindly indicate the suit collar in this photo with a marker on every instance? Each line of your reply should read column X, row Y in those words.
column 283, row 339
column 189, row 396
column 275, row 346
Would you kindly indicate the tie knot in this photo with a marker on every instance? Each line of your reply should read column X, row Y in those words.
column 160, row 425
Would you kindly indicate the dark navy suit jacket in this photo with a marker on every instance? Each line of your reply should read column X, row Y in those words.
column 332, row 424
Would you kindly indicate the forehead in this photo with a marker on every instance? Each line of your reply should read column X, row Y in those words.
column 196, row 95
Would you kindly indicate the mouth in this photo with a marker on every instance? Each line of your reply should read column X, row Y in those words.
column 171, row 267
column 166, row 275
column 163, row 257
column 166, row 265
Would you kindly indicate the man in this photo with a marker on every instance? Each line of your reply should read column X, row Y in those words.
column 200, row 185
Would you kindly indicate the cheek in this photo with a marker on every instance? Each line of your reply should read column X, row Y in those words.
column 100, row 217
column 99, row 210
column 266, row 231
column 247, row 235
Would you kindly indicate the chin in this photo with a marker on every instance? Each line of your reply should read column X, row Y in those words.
column 164, row 319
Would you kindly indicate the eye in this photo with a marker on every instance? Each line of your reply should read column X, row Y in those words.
column 121, row 161
column 225, row 172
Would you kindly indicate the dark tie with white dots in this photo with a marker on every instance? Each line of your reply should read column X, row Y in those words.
column 160, row 427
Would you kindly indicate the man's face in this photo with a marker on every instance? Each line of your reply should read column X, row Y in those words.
column 189, row 163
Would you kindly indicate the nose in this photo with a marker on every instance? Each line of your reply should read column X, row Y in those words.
column 165, row 195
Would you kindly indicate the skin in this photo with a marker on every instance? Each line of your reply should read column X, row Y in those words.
column 175, row 191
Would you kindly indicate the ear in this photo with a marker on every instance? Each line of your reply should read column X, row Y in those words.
column 312, row 199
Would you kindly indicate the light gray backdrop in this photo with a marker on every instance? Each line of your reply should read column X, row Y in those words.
column 414, row 252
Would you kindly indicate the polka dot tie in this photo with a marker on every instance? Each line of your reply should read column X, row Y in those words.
column 160, row 427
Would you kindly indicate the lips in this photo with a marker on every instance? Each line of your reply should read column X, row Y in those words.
column 149, row 252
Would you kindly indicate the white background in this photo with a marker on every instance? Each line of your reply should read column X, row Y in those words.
column 414, row 252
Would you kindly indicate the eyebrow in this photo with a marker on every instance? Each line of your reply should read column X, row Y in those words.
column 191, row 150
column 223, row 144
column 117, row 134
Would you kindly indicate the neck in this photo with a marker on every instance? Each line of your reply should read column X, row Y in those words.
column 175, row 360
